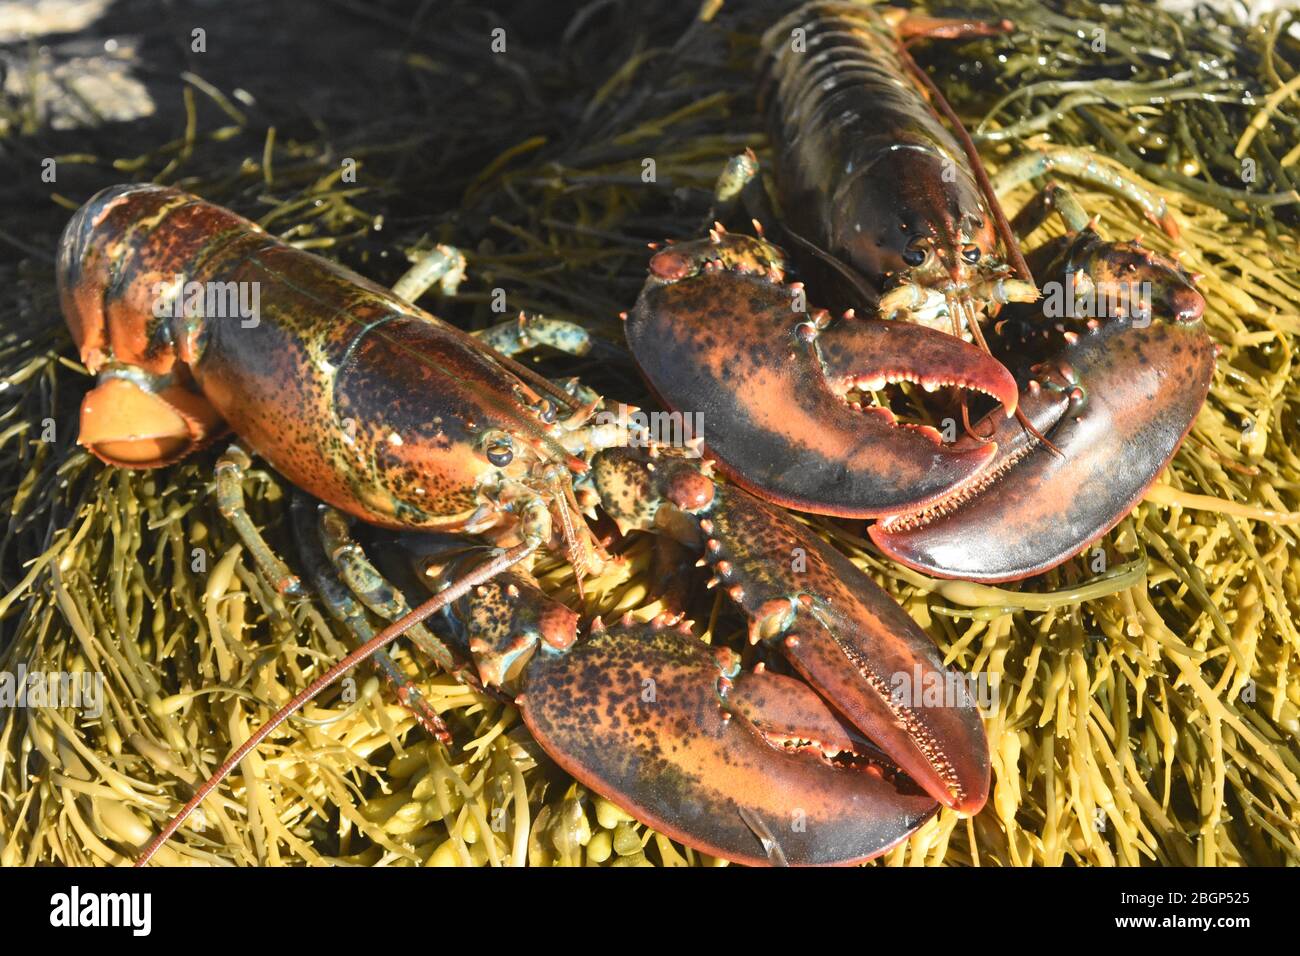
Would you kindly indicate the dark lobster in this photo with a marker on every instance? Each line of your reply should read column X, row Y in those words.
column 875, row 192
column 398, row 419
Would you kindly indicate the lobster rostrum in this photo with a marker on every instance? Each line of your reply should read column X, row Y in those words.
column 873, row 189
column 393, row 417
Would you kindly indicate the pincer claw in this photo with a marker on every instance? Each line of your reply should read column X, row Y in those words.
column 649, row 716
column 853, row 644
column 1115, row 401
column 753, row 767
column 715, row 331
column 861, row 652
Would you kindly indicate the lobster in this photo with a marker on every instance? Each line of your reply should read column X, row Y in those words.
column 874, row 193
column 384, row 413
column 407, row 424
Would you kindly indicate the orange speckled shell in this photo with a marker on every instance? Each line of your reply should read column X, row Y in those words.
column 359, row 398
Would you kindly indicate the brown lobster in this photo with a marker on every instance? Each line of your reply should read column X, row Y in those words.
column 398, row 419
column 882, row 199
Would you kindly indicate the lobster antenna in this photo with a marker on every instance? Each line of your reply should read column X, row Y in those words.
column 452, row 592
column 576, row 556
column 977, row 165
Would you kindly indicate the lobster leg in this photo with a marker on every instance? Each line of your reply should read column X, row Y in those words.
column 911, row 25
column 443, row 266
column 526, row 332
column 370, row 585
column 1053, row 198
column 231, row 469
column 342, row 605
column 1088, row 168
column 739, row 185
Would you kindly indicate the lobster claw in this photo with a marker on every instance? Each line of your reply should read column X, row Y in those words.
column 650, row 716
column 853, row 644
column 716, row 332
column 752, row 766
column 749, row 766
column 1116, row 401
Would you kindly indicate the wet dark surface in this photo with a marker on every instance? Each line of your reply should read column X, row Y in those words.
column 414, row 90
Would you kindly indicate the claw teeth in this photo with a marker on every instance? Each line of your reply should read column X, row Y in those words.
column 871, row 384
column 930, row 385
column 885, row 413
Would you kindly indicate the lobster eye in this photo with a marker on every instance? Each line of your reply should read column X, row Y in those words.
column 500, row 453
column 971, row 254
column 914, row 257
column 547, row 411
